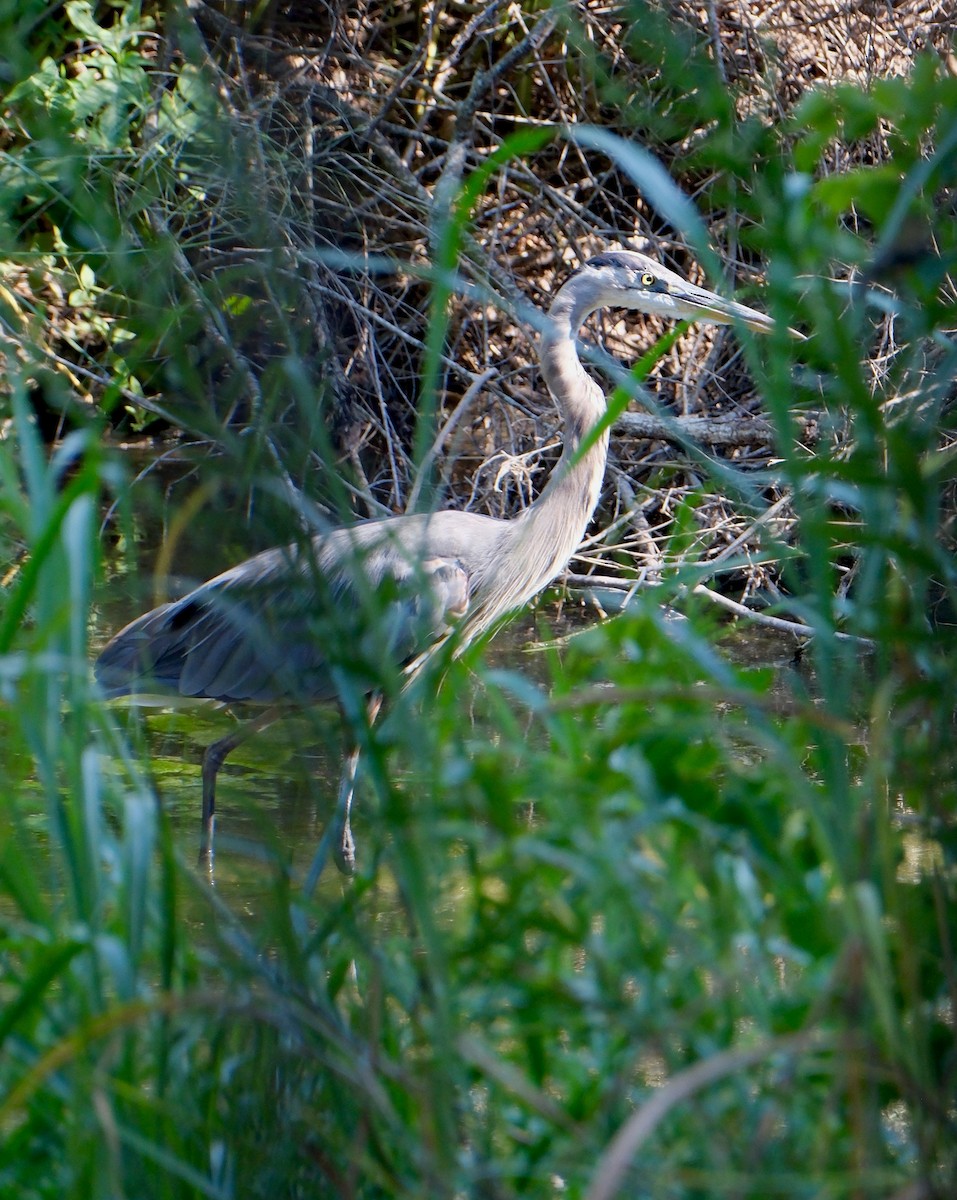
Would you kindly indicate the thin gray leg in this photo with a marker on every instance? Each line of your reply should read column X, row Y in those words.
column 213, row 758
column 345, row 848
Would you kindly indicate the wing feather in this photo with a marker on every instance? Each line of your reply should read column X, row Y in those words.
column 284, row 625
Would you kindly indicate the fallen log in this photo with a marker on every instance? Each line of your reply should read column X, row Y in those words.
column 708, row 431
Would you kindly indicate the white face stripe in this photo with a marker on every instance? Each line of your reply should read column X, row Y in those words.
column 623, row 279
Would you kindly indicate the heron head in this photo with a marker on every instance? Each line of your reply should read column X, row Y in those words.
column 626, row 279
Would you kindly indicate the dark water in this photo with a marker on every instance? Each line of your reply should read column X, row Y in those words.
column 277, row 793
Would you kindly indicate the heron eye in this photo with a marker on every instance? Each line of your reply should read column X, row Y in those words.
column 648, row 280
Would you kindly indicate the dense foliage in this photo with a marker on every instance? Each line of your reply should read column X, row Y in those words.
column 633, row 921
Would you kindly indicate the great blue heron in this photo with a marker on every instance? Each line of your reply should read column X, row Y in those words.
column 286, row 627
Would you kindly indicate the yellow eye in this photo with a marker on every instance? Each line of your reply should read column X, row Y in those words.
column 648, row 280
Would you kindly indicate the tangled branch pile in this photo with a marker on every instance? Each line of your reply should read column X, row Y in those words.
column 280, row 190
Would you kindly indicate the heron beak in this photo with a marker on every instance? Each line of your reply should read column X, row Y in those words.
column 703, row 305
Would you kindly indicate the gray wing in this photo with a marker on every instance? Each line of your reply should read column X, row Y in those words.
column 289, row 623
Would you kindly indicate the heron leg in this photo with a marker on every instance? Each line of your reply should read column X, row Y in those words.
column 213, row 758
column 345, row 850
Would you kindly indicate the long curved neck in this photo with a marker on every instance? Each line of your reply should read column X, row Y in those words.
column 571, row 494
column 539, row 542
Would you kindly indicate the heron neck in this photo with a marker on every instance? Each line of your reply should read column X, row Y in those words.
column 551, row 529
column 580, row 400
column 572, row 491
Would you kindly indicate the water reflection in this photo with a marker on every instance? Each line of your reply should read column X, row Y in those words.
column 276, row 795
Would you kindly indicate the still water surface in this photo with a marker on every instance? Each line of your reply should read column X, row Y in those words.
column 277, row 792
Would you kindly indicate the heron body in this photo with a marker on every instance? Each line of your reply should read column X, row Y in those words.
column 286, row 625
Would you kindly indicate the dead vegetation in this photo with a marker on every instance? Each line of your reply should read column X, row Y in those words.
column 351, row 129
